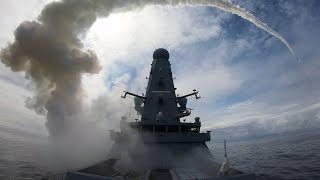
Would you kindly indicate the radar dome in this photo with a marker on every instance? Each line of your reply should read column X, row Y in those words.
column 161, row 53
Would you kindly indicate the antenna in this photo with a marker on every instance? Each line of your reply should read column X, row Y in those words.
column 154, row 46
column 167, row 46
column 225, row 165
column 225, row 148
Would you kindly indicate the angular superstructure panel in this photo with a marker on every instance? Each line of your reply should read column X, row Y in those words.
column 160, row 100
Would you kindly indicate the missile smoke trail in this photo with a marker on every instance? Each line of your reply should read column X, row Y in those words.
column 51, row 54
column 226, row 5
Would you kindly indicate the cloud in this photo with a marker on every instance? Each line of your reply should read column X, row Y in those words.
column 13, row 112
column 18, row 11
column 249, row 82
column 141, row 32
column 279, row 95
column 14, row 87
column 155, row 20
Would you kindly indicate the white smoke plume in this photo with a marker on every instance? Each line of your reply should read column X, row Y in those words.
column 52, row 55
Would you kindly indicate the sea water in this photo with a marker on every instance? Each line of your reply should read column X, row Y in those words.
column 285, row 156
column 289, row 156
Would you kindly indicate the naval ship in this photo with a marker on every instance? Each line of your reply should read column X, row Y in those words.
column 161, row 144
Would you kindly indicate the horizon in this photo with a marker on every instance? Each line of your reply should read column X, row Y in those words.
column 250, row 83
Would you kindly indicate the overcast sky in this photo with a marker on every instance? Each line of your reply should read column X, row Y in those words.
column 250, row 83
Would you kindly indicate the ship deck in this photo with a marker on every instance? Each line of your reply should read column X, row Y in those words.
column 172, row 161
column 104, row 170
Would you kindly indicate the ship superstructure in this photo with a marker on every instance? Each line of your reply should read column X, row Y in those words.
column 162, row 110
column 160, row 138
column 161, row 144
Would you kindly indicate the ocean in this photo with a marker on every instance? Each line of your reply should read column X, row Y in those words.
column 294, row 155
column 288, row 156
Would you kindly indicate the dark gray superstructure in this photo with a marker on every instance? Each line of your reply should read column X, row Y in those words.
column 159, row 145
column 160, row 139
column 162, row 110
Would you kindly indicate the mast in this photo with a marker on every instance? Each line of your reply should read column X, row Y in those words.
column 160, row 108
column 160, row 99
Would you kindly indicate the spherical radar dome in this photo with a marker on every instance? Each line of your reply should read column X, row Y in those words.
column 161, row 53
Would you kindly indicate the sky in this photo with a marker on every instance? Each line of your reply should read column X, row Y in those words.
column 250, row 83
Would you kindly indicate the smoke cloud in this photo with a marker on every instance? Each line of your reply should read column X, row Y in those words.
column 50, row 52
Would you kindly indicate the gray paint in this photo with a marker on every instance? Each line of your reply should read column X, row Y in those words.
column 160, row 95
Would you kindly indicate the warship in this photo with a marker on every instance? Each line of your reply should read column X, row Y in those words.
column 161, row 144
